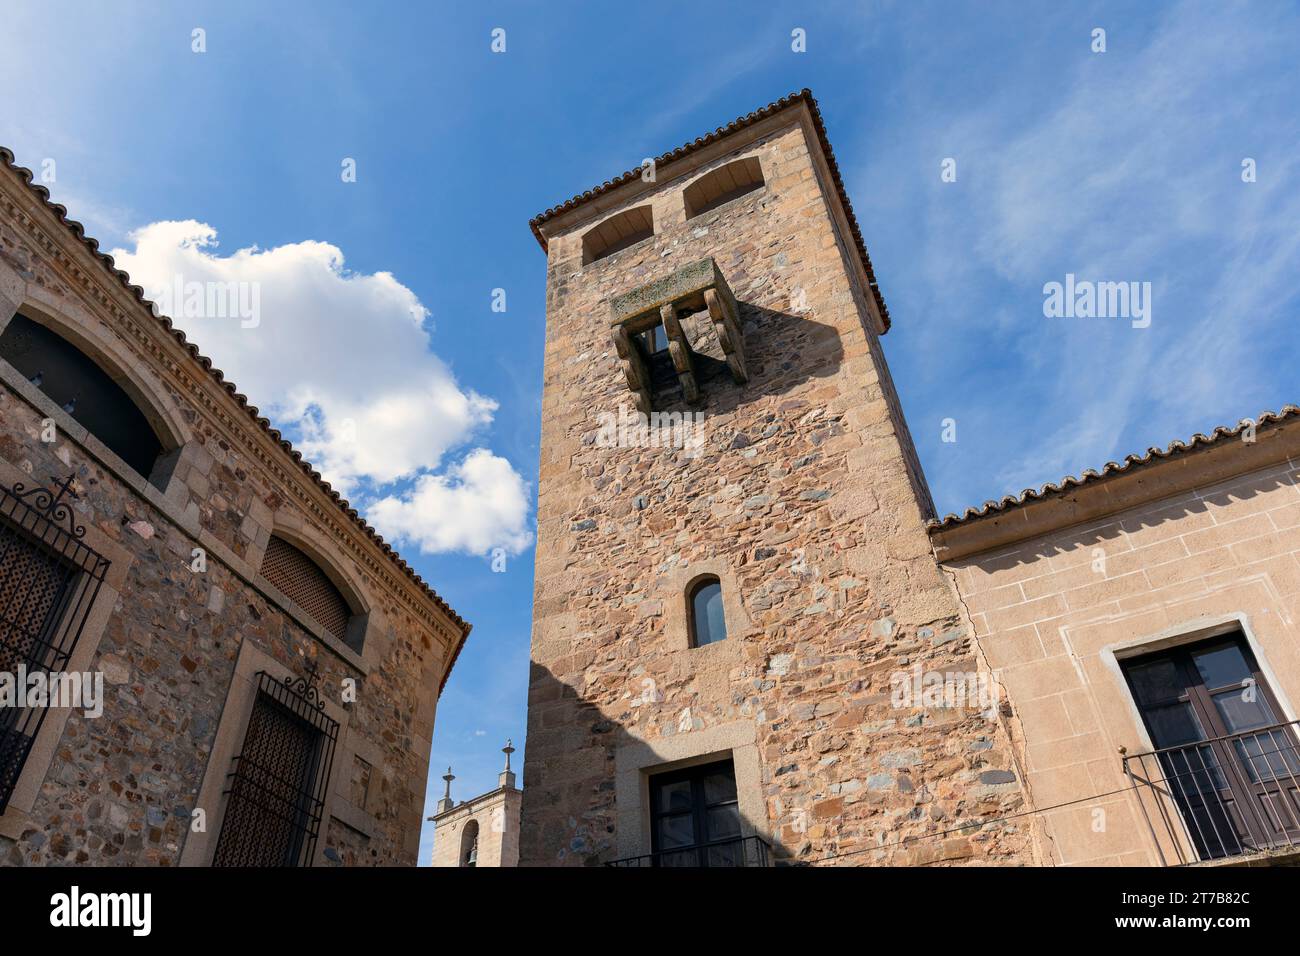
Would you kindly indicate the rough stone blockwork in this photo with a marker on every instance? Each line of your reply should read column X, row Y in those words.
column 807, row 503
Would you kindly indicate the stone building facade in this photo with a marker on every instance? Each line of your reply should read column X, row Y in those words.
column 483, row 831
column 1181, row 564
column 731, row 281
column 755, row 642
column 270, row 667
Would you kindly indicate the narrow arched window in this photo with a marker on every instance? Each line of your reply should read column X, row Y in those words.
column 74, row 382
column 469, row 844
column 303, row 582
column 708, row 625
column 722, row 185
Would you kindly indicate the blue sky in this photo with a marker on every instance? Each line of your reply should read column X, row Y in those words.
column 1117, row 166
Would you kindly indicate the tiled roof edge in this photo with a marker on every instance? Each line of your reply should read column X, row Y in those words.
column 1111, row 469
column 804, row 96
column 78, row 230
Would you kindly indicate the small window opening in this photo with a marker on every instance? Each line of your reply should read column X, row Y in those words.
column 708, row 624
column 655, row 340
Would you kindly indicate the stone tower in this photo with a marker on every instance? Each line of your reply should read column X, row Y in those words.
column 735, row 596
column 483, row 831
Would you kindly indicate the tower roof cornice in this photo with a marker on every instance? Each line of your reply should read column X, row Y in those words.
column 794, row 101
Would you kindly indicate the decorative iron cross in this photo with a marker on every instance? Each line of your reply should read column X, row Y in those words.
column 51, row 505
column 65, row 488
column 307, row 686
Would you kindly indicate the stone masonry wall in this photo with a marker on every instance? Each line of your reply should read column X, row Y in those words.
column 803, row 502
column 121, row 788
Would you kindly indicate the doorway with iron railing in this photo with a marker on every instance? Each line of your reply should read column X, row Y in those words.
column 1223, row 779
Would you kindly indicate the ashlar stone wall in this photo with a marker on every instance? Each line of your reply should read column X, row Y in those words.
column 1057, row 612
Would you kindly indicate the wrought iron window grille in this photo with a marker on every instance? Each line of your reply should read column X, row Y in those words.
column 278, row 781
column 49, row 580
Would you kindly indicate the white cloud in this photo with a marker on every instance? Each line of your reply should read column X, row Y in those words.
column 342, row 362
column 479, row 504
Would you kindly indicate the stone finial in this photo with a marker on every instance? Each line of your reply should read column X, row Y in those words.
column 445, row 803
column 507, row 776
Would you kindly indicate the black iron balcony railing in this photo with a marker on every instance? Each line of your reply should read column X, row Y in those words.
column 1224, row 797
column 744, row 851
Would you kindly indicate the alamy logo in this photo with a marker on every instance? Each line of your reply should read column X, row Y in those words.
column 1084, row 299
column 209, row 300
column 134, row 910
column 53, row 689
column 627, row 429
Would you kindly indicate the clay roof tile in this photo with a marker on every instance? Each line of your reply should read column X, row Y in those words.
column 741, row 122
column 1112, row 469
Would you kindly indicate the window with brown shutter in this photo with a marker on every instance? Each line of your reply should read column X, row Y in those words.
column 302, row 581
column 1225, row 752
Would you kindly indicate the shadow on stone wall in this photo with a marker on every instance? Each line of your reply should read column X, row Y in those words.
column 783, row 350
column 569, row 813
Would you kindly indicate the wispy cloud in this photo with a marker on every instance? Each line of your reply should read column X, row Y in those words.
column 1130, row 170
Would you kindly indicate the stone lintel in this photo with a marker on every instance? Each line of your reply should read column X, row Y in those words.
column 639, row 308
